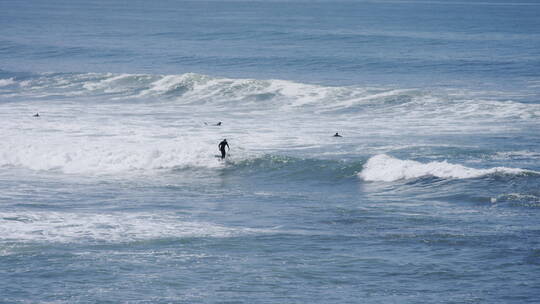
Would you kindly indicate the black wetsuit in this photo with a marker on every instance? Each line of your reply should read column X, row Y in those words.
column 221, row 147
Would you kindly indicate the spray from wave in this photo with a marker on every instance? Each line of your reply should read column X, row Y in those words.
column 387, row 169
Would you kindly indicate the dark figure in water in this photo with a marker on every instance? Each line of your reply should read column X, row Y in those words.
column 36, row 115
column 218, row 124
column 221, row 147
column 337, row 135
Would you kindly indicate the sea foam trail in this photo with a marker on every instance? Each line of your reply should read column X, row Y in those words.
column 113, row 227
column 387, row 169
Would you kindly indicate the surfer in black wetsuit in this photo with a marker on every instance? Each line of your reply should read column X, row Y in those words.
column 337, row 135
column 36, row 115
column 221, row 147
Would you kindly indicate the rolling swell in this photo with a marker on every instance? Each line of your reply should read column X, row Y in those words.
column 293, row 168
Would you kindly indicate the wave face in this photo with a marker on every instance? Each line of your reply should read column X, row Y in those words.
column 388, row 169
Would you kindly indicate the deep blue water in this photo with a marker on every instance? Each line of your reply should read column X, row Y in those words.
column 343, row 42
column 115, row 194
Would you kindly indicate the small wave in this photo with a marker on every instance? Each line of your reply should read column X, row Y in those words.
column 386, row 168
column 518, row 199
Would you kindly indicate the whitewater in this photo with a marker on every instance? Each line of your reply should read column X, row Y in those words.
column 166, row 122
column 116, row 192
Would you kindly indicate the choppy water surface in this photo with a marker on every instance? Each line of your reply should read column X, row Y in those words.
column 115, row 192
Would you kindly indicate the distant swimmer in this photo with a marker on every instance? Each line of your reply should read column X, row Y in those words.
column 337, row 135
column 218, row 124
column 221, row 147
column 36, row 115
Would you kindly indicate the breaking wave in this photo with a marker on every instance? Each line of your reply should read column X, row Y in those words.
column 191, row 88
column 387, row 169
column 112, row 158
column 109, row 157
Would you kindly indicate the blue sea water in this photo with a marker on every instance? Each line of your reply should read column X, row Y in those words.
column 116, row 193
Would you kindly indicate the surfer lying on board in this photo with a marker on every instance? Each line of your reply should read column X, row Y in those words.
column 221, row 147
column 337, row 135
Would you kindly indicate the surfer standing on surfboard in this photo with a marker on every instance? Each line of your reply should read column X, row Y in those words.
column 221, row 147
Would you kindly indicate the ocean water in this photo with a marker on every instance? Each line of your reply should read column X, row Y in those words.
column 116, row 193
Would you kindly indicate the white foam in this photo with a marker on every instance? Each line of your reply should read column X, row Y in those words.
column 6, row 82
column 107, row 156
column 386, row 168
column 111, row 227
